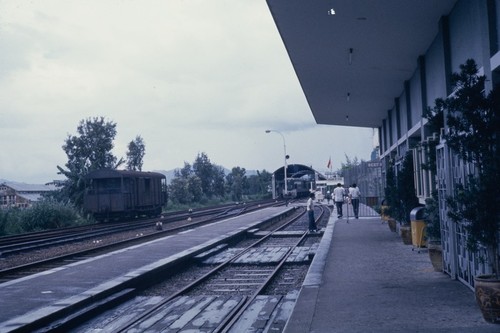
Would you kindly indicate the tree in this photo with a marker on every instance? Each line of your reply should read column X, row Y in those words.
column 219, row 175
column 390, row 191
column 349, row 163
column 194, row 188
column 259, row 184
column 431, row 217
column 185, row 188
column 400, row 194
column 435, row 122
column 178, row 191
column 237, row 183
column 185, row 172
column 473, row 120
column 204, row 170
column 435, row 116
column 135, row 154
column 89, row 150
column 211, row 176
column 406, row 191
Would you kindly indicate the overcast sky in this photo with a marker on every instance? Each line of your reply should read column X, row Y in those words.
column 189, row 76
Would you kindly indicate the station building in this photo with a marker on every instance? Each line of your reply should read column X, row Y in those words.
column 22, row 195
column 380, row 64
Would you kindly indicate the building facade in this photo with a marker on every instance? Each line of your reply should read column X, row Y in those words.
column 380, row 65
column 469, row 31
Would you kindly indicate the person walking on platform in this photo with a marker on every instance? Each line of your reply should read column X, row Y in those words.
column 328, row 197
column 310, row 213
column 354, row 195
column 338, row 198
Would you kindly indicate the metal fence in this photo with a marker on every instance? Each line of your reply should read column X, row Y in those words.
column 368, row 177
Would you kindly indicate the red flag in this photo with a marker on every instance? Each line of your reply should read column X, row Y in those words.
column 329, row 163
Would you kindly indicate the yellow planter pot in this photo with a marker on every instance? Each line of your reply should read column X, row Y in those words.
column 418, row 233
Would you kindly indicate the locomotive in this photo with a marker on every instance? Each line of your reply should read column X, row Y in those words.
column 121, row 194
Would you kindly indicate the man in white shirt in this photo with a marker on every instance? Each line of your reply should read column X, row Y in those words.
column 310, row 213
column 338, row 198
column 354, row 195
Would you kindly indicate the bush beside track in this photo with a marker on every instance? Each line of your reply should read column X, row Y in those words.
column 50, row 214
column 45, row 215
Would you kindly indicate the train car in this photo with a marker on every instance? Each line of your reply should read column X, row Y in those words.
column 120, row 194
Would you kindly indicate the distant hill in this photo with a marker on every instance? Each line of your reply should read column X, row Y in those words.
column 170, row 174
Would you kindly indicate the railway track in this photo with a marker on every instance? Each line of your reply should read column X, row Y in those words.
column 234, row 287
column 91, row 240
column 37, row 240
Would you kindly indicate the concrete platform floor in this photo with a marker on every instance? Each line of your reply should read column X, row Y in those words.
column 367, row 281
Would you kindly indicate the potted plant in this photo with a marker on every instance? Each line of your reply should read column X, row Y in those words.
column 407, row 198
column 473, row 120
column 433, row 232
column 435, row 123
column 391, row 198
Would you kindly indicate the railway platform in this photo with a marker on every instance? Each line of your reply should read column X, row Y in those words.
column 35, row 297
column 364, row 279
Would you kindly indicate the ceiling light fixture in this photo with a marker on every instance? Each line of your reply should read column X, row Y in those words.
column 331, row 11
column 348, row 96
column 350, row 56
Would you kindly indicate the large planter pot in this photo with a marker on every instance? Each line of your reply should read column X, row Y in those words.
column 384, row 213
column 406, row 234
column 487, row 291
column 436, row 255
column 392, row 224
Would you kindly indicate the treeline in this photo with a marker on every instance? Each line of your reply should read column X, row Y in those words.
column 204, row 181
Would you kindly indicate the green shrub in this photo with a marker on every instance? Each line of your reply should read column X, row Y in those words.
column 10, row 221
column 44, row 215
column 431, row 213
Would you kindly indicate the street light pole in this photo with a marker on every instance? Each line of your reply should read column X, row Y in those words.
column 285, row 166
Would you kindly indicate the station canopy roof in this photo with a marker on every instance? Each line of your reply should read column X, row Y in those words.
column 352, row 57
column 296, row 171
